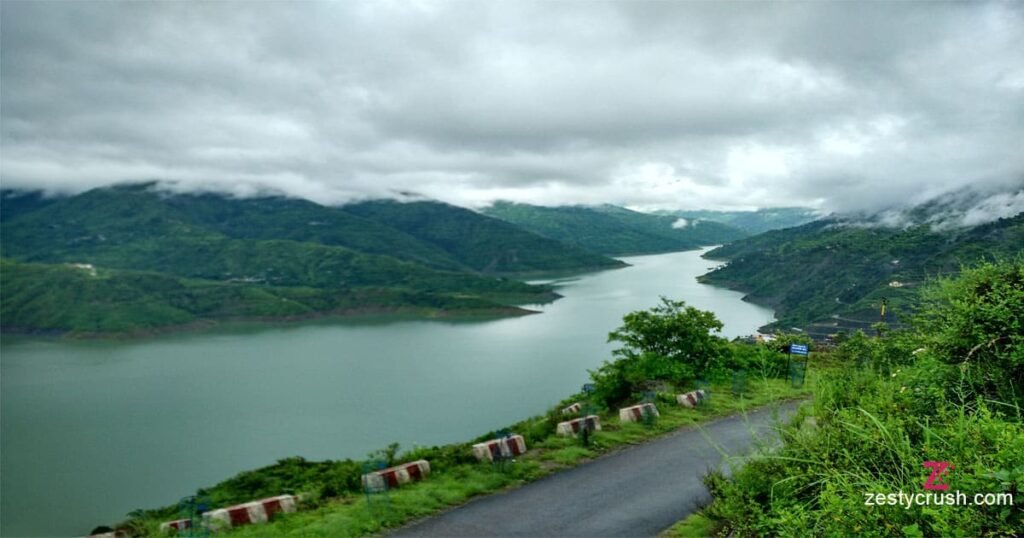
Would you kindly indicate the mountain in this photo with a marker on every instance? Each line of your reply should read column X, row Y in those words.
column 131, row 221
column 83, row 299
column 481, row 243
column 614, row 230
column 182, row 258
column 753, row 222
column 834, row 273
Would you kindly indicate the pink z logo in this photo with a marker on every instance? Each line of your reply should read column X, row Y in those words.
column 939, row 469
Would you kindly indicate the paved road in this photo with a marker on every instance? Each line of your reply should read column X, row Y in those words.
column 637, row 492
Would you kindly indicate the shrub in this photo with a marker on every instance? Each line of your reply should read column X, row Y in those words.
column 671, row 342
column 977, row 321
column 944, row 391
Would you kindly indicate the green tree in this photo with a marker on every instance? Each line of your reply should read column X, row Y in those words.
column 670, row 342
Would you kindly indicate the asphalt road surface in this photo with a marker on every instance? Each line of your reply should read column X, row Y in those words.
column 640, row 491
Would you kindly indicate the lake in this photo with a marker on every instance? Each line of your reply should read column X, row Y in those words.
column 94, row 429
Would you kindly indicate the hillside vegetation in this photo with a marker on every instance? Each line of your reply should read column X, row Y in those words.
column 614, row 230
column 835, row 268
column 107, row 220
column 135, row 258
column 61, row 298
column 479, row 242
column 948, row 389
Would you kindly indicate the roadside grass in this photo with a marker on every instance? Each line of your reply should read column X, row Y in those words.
column 696, row 525
column 452, row 485
column 352, row 515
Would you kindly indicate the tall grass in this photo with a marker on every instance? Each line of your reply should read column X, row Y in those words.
column 865, row 434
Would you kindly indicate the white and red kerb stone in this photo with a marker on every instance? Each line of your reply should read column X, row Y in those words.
column 570, row 428
column 260, row 511
column 635, row 413
column 572, row 409
column 392, row 477
column 691, row 399
column 177, row 525
column 502, row 447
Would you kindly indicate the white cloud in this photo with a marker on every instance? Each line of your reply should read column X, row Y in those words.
column 655, row 105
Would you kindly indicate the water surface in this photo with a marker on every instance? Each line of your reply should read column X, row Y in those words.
column 92, row 430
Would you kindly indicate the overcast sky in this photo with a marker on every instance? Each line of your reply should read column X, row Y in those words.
column 839, row 106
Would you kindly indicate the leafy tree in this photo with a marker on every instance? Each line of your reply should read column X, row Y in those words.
column 671, row 330
column 670, row 342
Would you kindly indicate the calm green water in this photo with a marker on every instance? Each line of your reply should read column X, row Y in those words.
column 92, row 430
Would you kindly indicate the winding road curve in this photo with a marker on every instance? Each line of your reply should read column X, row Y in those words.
column 639, row 491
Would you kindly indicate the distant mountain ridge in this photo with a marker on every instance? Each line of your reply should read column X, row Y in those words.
column 753, row 222
column 614, row 230
column 288, row 257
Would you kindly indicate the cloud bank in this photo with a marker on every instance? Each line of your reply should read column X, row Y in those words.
column 838, row 106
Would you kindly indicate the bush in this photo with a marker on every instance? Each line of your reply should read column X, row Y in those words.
column 977, row 321
column 671, row 342
column 941, row 392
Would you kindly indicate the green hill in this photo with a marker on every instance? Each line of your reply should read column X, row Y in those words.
column 753, row 222
column 61, row 298
column 482, row 243
column 614, row 230
column 259, row 257
column 104, row 221
column 107, row 222
column 834, row 273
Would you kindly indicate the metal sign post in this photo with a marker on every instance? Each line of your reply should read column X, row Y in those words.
column 797, row 372
column 798, row 369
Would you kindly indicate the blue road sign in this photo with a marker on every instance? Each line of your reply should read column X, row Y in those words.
column 798, row 349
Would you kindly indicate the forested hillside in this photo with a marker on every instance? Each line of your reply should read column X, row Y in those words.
column 136, row 258
column 479, row 242
column 836, row 273
column 614, row 230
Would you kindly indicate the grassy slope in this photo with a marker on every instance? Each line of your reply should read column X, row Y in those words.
column 612, row 230
column 455, row 478
column 480, row 242
column 811, row 272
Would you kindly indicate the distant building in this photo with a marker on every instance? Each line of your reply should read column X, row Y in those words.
column 88, row 267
